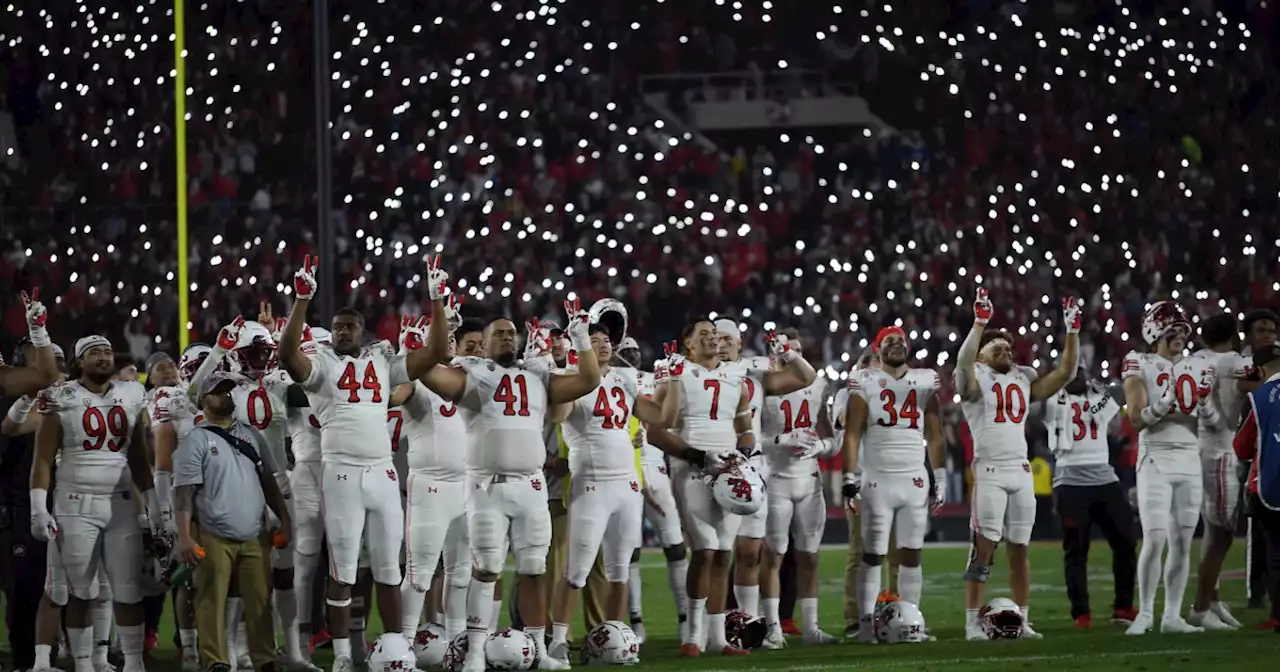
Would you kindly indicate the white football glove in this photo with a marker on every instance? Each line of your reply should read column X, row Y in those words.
column 37, row 317
column 453, row 311
column 578, row 325
column 43, row 525
column 982, row 307
column 1072, row 309
column 779, row 348
column 537, row 341
column 304, row 280
column 437, row 279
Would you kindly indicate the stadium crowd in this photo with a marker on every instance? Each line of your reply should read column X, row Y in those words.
column 1047, row 163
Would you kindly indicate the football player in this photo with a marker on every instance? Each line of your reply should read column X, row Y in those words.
column 507, row 504
column 605, row 502
column 42, row 369
column 795, row 437
column 893, row 410
column 435, row 517
column 1167, row 397
column 349, row 386
column 762, row 378
column 713, row 433
column 98, row 426
column 995, row 396
column 660, row 507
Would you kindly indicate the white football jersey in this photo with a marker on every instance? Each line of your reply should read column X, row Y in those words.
column 1229, row 368
column 785, row 414
column 509, row 407
column 263, row 408
column 1083, row 423
column 1180, row 428
column 304, row 434
column 839, row 403
column 437, row 435
column 710, row 401
column 349, row 396
column 650, row 455
column 174, row 406
column 597, row 429
column 996, row 418
column 96, row 433
column 893, row 440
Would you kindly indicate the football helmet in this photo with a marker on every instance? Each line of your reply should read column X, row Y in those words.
column 611, row 643
column 192, row 358
column 612, row 315
column 509, row 649
column 456, row 655
column 742, row 631
column 255, row 350
column 900, row 622
column 739, row 489
column 391, row 653
column 1001, row 619
column 429, row 645
column 1161, row 317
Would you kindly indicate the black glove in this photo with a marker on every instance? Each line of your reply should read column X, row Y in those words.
column 697, row 458
column 852, row 487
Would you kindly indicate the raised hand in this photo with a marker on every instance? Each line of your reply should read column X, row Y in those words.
column 265, row 318
column 674, row 366
column 453, row 311
column 304, row 280
column 413, row 332
column 230, row 334
column 437, row 279
column 778, row 346
column 982, row 308
column 537, row 341
column 578, row 320
column 1071, row 314
column 37, row 317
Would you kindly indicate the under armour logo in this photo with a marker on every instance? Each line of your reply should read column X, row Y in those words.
column 589, row 488
column 342, row 477
column 991, row 470
column 432, row 490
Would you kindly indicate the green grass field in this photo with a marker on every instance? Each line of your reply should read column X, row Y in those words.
column 1104, row 649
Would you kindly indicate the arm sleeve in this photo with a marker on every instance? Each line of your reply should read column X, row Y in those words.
column 188, row 460
column 207, row 367
column 965, row 358
column 397, row 370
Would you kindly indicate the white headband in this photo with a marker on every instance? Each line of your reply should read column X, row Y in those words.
column 89, row 342
column 727, row 326
column 990, row 346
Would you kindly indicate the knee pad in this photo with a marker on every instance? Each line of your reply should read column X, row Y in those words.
column 872, row 560
column 978, row 573
column 488, row 562
column 675, row 553
column 530, row 561
column 617, row 572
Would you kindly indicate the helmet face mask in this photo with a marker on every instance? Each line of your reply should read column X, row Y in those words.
column 1001, row 619
column 612, row 315
column 1162, row 317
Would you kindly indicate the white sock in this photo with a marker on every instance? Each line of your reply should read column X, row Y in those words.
column 911, row 584
column 715, row 633
column 102, row 615
column 455, row 609
column 748, row 598
column 242, row 638
column 970, row 616
column 1149, row 561
column 411, row 605
column 697, row 611
column 304, row 574
column 1177, row 571
column 809, row 615
column 188, row 640
column 677, row 575
column 341, row 647
column 634, row 603
column 235, row 608
column 495, row 614
column 1023, row 609
column 539, row 635
column 286, row 603
column 44, row 656
column 771, row 612
column 480, row 607
column 868, row 589
column 132, row 638
column 81, row 644
column 559, row 633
